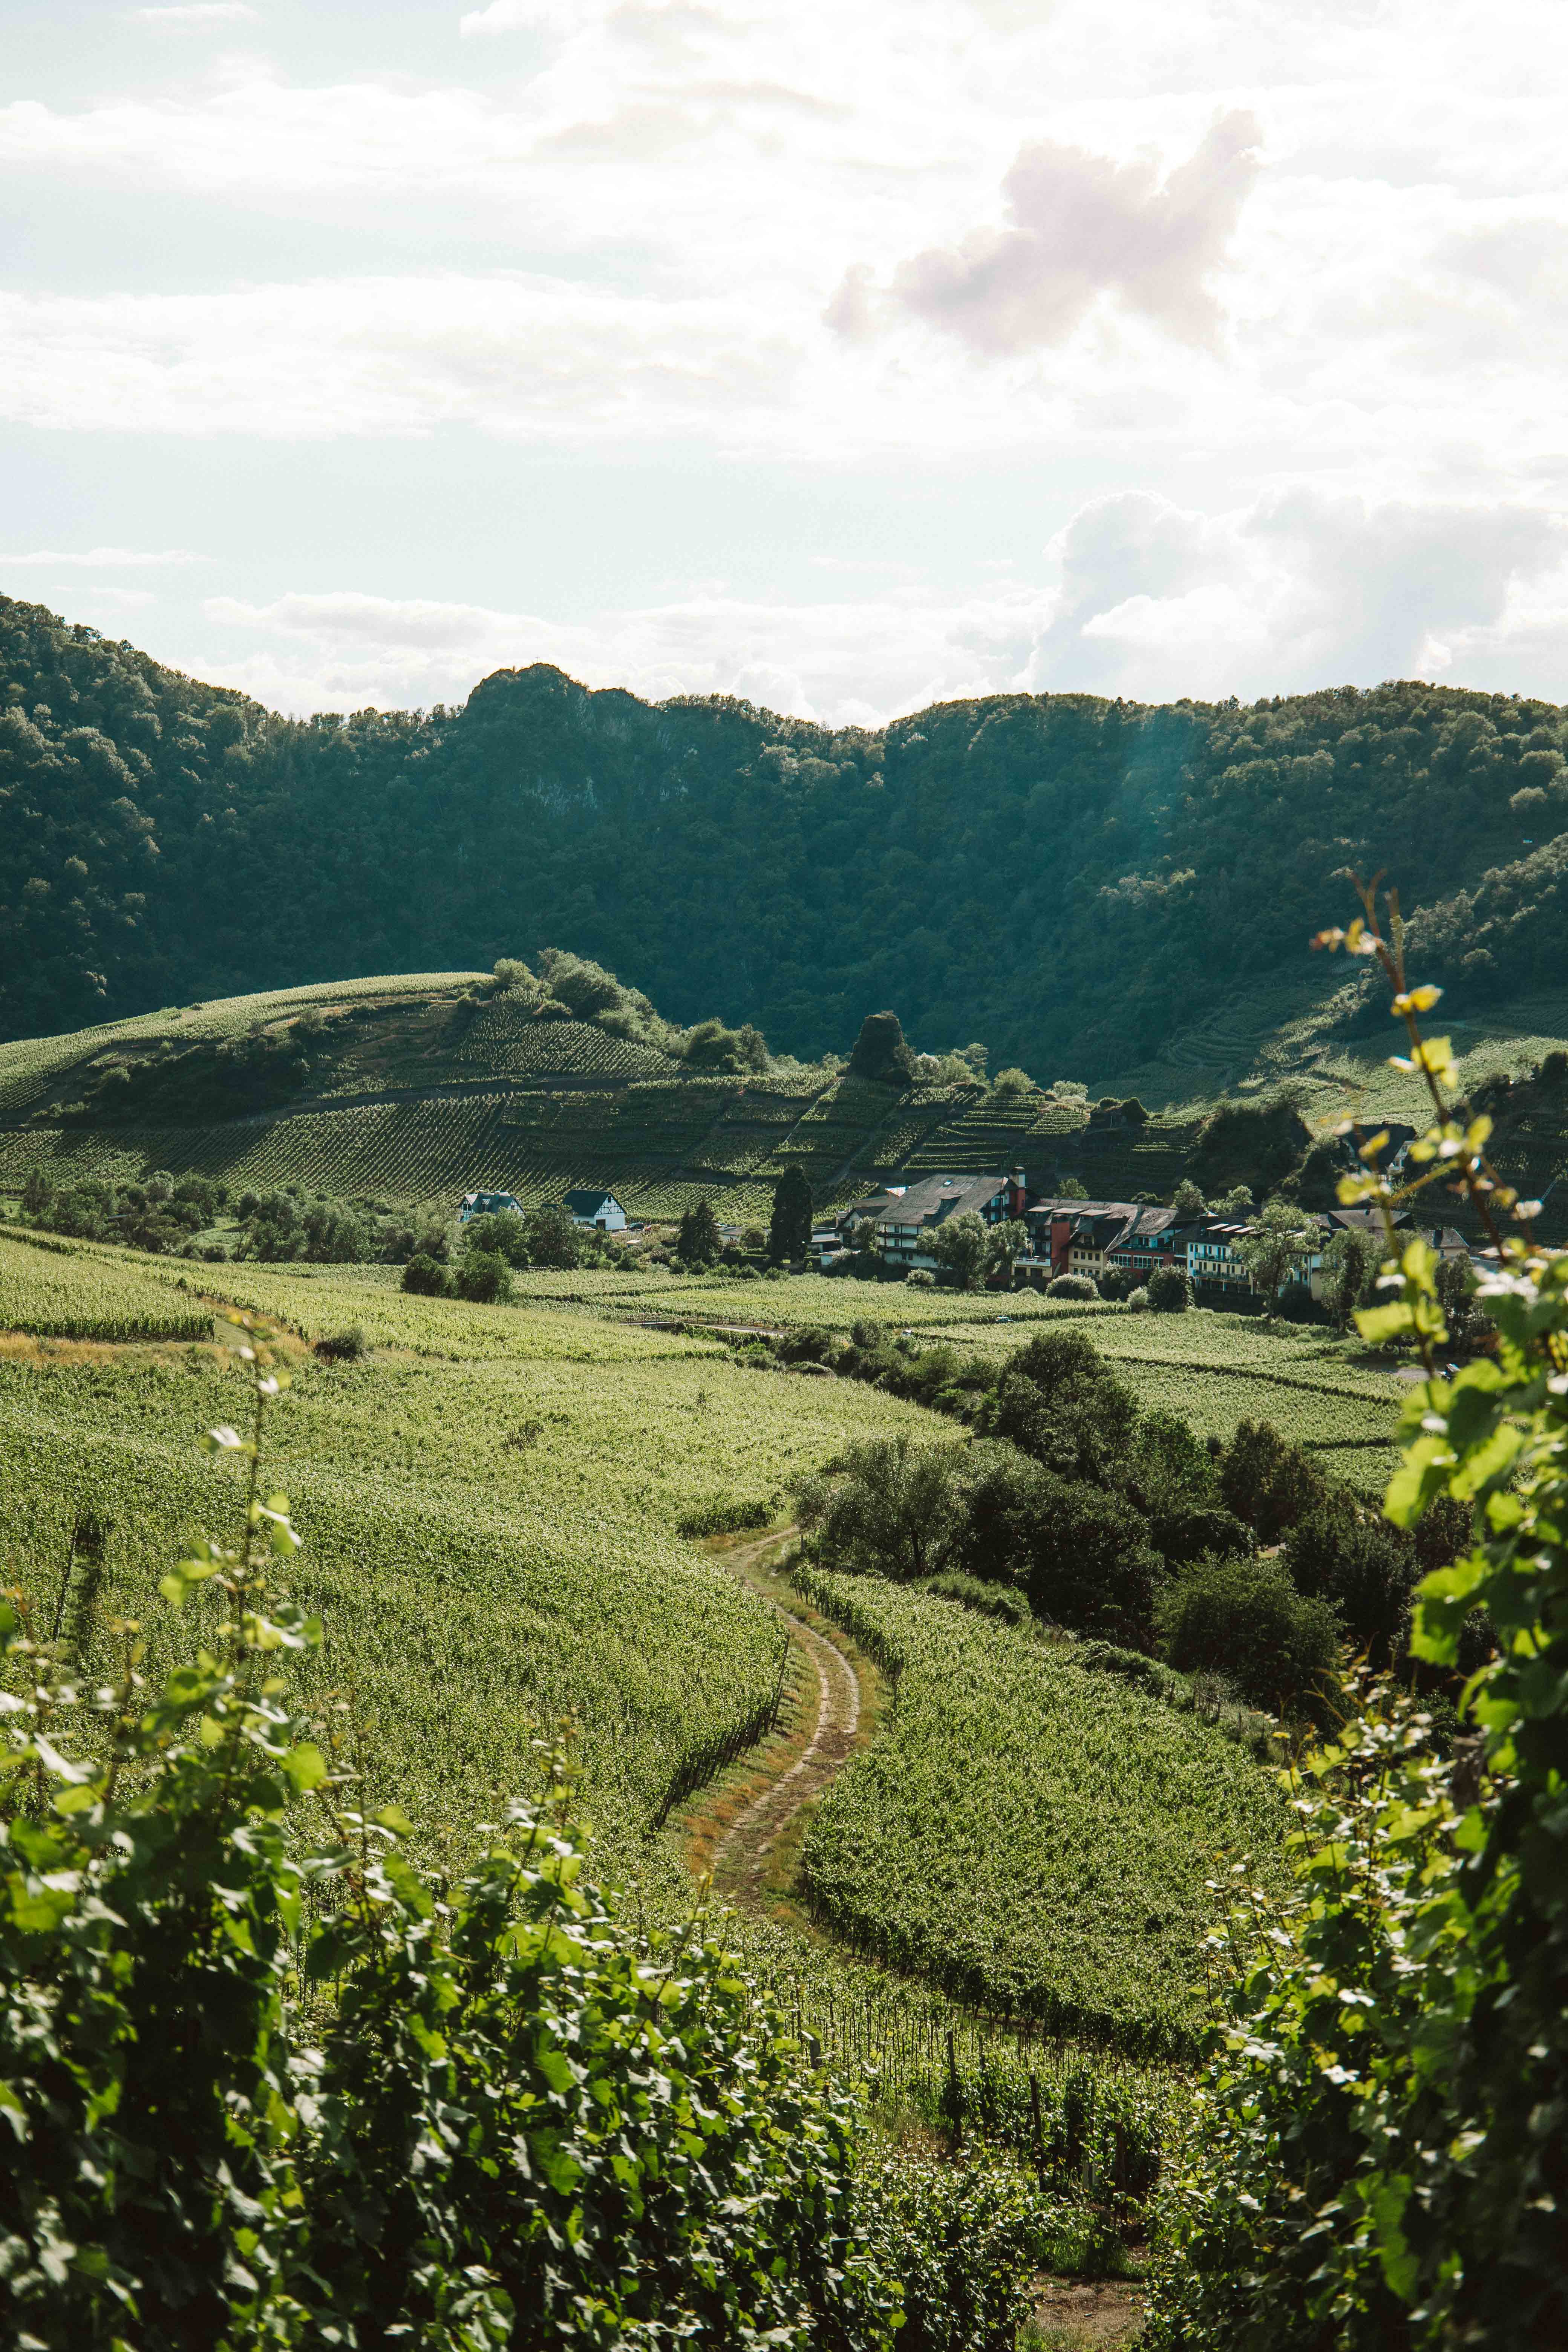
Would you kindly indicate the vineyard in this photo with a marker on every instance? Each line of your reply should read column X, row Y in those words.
column 491, row 1503
column 56, row 1292
column 1032, row 1837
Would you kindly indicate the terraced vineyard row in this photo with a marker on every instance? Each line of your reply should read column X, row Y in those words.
column 29, row 1065
column 504, row 1039
column 65, row 1293
column 1030, row 1836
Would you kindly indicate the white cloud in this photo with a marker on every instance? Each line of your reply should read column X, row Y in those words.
column 1329, row 391
column 95, row 559
column 849, row 664
column 1300, row 589
column 1138, row 597
column 521, row 357
column 199, row 13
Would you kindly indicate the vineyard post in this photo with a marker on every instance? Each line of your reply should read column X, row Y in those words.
column 1039, row 2128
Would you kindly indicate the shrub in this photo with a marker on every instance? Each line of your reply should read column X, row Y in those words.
column 1267, row 1481
column 895, row 1512
column 1244, row 1618
column 424, row 1278
column 880, row 1052
column 1170, row 1290
column 484, row 1279
column 342, row 1346
column 1365, row 1569
column 920, row 1277
column 1072, row 1285
column 1060, row 1401
column 1138, row 1301
column 1081, row 1556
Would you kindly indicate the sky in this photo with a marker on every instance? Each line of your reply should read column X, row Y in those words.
column 845, row 354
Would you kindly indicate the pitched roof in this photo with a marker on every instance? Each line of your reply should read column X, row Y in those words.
column 1064, row 1208
column 592, row 1199
column 939, row 1196
column 1144, row 1224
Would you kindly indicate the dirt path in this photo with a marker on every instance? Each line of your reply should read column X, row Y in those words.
column 742, row 1835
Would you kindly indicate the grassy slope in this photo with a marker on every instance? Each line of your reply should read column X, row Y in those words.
column 490, row 1506
column 1034, row 1836
column 477, row 1093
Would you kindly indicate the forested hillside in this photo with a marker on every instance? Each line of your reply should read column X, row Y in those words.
column 1073, row 880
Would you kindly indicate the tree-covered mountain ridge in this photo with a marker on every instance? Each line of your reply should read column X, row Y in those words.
column 1080, row 883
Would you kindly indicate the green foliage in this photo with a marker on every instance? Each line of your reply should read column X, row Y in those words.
column 1277, row 1247
column 284, row 1226
column 59, row 1294
column 789, row 1227
column 966, row 2237
column 423, row 1278
column 700, row 829
column 1351, row 1262
column 1365, row 1569
column 1060, row 1401
column 1242, row 1618
column 1380, row 2150
column 1081, row 1555
column 1267, row 1481
column 1255, row 1144
column 699, row 1242
column 880, row 1053
column 962, row 1247
column 1072, row 1285
column 1031, row 1836
column 894, row 1513
column 713, row 1047
column 483, row 1277
column 480, row 2111
column 1170, row 1290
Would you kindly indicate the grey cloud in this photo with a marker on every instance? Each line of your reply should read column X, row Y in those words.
column 1082, row 225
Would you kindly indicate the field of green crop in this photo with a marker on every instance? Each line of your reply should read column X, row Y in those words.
column 491, row 1503
column 61, row 1294
column 1033, row 1837
column 797, row 1300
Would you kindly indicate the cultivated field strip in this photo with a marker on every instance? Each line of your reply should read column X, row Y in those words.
column 491, row 1502
column 1030, row 1836
column 63, row 1294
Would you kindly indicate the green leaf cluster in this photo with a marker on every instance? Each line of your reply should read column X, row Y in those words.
column 1381, row 2149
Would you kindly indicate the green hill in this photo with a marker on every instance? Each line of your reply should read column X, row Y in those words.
column 415, row 1088
column 1112, row 892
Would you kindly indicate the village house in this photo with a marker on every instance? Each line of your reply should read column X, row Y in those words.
column 1212, row 1265
column 901, row 1232
column 596, row 1208
column 489, row 1204
column 1150, row 1239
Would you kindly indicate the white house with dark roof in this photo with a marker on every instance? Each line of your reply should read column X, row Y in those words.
column 596, row 1208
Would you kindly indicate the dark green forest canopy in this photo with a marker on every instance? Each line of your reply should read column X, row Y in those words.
column 1072, row 879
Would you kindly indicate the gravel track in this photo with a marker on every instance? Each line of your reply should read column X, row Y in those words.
column 739, row 1859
